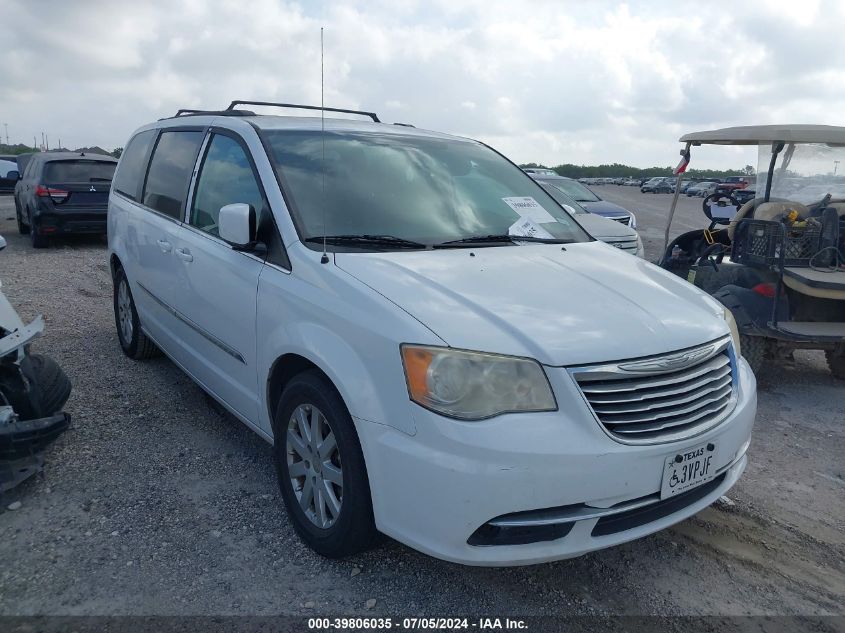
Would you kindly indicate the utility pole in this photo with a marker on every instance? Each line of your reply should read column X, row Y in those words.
column 835, row 165
column 6, row 125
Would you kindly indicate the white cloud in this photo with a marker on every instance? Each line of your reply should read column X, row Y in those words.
column 547, row 81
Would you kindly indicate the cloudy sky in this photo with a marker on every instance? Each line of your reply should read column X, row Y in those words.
column 582, row 82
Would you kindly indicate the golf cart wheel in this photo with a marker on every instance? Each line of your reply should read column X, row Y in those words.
column 53, row 384
column 321, row 470
column 836, row 361
column 134, row 343
column 755, row 350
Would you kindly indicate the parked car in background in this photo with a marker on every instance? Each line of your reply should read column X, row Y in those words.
column 63, row 193
column 8, row 176
column 667, row 185
column 318, row 281
column 588, row 199
column 649, row 185
column 733, row 183
column 701, row 189
column 632, row 182
column 616, row 234
column 744, row 195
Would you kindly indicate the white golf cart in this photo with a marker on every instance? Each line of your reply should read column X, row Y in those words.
column 777, row 261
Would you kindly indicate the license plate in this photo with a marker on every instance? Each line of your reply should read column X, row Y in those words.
column 687, row 469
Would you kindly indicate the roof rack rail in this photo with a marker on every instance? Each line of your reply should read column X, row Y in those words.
column 189, row 112
column 296, row 106
column 405, row 124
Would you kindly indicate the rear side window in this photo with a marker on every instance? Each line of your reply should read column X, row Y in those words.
column 170, row 171
column 226, row 177
column 78, row 171
column 128, row 179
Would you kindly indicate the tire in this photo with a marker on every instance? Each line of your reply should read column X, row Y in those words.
column 38, row 240
column 23, row 229
column 134, row 343
column 754, row 350
column 53, row 384
column 836, row 361
column 349, row 527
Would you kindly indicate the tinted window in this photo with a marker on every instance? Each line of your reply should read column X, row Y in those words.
column 226, row 177
column 133, row 163
column 170, row 171
column 422, row 189
column 78, row 171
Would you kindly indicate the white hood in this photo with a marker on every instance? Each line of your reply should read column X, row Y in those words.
column 582, row 303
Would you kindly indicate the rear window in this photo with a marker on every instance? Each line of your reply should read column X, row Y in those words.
column 78, row 171
column 170, row 171
column 133, row 163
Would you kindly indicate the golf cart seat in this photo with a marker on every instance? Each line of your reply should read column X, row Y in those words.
column 760, row 210
column 815, row 283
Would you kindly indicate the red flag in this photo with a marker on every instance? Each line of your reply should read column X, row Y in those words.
column 682, row 166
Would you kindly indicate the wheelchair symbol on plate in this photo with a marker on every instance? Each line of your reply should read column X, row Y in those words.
column 673, row 480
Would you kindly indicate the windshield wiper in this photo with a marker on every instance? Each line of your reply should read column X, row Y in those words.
column 502, row 238
column 366, row 240
column 96, row 179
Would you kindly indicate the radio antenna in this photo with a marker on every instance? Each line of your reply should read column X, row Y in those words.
column 325, row 258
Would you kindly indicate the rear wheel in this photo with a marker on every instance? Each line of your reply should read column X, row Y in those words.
column 321, row 470
column 133, row 341
column 836, row 361
column 38, row 240
column 755, row 350
column 23, row 229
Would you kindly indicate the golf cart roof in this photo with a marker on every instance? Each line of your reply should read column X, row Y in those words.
column 757, row 134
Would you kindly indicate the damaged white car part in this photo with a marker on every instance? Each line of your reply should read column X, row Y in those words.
column 33, row 389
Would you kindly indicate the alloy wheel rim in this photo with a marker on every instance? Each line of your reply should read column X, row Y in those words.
column 124, row 311
column 314, row 465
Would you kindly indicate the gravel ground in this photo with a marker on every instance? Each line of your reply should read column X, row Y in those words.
column 157, row 503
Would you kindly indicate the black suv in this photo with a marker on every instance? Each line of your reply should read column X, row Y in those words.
column 62, row 193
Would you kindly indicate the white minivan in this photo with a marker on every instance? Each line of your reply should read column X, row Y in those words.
column 438, row 351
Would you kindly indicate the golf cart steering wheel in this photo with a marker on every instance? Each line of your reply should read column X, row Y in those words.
column 720, row 207
column 713, row 255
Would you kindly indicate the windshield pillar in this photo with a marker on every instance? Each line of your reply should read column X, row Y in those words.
column 776, row 150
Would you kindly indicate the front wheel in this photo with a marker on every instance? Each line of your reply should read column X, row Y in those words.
column 836, row 361
column 321, row 470
column 755, row 350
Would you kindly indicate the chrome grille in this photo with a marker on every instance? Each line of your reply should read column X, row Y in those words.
column 661, row 398
column 628, row 245
column 624, row 219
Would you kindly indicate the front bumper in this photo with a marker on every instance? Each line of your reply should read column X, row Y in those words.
column 435, row 489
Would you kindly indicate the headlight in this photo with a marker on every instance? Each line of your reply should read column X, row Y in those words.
column 472, row 385
column 640, row 247
column 734, row 330
column 633, row 222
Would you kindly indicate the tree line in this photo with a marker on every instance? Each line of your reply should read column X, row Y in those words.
column 618, row 170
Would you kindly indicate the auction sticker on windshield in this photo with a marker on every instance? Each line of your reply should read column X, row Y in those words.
column 528, row 207
column 688, row 469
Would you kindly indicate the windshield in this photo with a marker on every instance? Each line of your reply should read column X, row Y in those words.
column 420, row 189
column 78, row 171
column 803, row 173
column 558, row 194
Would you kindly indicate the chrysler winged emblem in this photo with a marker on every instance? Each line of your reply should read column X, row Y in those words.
column 667, row 363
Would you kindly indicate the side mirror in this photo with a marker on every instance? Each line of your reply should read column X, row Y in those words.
column 237, row 224
column 2, row 242
column 13, row 175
